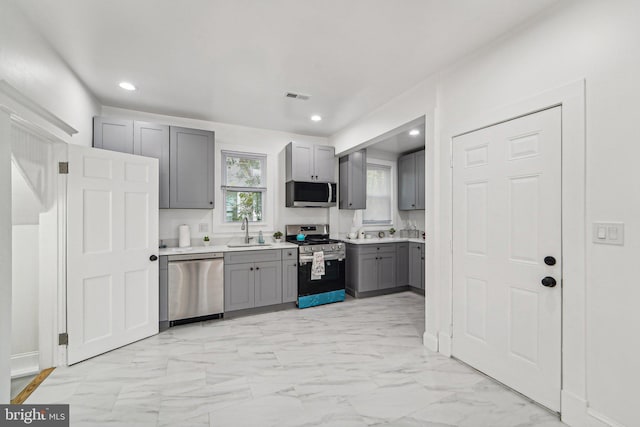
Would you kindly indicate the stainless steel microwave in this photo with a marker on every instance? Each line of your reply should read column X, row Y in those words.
column 310, row 194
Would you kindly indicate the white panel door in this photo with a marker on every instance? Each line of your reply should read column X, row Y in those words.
column 506, row 221
column 112, row 238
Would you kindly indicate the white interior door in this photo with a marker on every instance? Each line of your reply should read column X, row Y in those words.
column 112, row 223
column 506, row 221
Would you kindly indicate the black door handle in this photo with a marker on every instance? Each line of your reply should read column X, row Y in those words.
column 549, row 260
column 153, row 258
column 549, row 282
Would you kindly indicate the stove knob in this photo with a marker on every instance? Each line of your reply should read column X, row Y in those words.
column 333, row 248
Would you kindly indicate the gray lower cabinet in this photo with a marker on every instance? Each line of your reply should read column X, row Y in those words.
column 353, row 181
column 289, row 280
column 254, row 278
column 268, row 283
column 416, row 265
column 411, row 176
column 239, row 284
column 371, row 267
column 191, row 168
column 402, row 265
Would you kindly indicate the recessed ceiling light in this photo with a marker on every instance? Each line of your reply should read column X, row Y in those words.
column 414, row 132
column 316, row 118
column 127, row 86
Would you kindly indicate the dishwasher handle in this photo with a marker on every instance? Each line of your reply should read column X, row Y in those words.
column 195, row 257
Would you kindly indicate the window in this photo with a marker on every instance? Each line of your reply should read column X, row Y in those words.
column 244, row 178
column 378, row 195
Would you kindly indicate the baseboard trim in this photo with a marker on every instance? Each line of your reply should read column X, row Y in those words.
column 23, row 364
column 444, row 344
column 576, row 412
column 430, row 341
column 603, row 420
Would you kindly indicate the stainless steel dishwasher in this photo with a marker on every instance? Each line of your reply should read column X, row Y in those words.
column 196, row 286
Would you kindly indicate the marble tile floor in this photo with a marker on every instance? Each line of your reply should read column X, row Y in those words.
column 356, row 363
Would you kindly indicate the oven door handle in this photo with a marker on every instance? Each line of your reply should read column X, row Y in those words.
column 309, row 258
column 330, row 192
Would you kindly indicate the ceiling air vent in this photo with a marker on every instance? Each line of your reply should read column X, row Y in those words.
column 294, row 95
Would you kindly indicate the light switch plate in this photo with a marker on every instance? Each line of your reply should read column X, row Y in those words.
column 608, row 233
column 203, row 227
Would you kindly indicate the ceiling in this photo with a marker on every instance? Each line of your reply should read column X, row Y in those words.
column 233, row 60
column 397, row 141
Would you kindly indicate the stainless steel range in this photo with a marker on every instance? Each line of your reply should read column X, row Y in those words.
column 315, row 289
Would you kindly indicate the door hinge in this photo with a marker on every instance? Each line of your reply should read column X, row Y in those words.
column 63, row 339
column 63, row 168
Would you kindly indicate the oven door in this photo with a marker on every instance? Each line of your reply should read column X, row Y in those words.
column 332, row 280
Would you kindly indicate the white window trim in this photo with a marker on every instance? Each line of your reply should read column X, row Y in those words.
column 392, row 198
column 265, row 177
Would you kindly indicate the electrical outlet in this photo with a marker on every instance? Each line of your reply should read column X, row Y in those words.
column 608, row 233
column 203, row 227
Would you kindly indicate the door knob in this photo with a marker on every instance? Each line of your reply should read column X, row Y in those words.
column 153, row 258
column 549, row 282
column 549, row 260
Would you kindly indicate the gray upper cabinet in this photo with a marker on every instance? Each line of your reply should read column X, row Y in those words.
column 191, row 168
column 324, row 157
column 420, row 179
column 411, row 181
column 309, row 163
column 113, row 134
column 353, row 181
column 152, row 140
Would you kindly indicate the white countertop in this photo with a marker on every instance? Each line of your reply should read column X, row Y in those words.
column 225, row 248
column 378, row 240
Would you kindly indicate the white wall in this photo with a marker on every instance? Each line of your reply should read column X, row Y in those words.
column 235, row 138
column 597, row 41
column 5, row 259
column 28, row 63
column 25, row 275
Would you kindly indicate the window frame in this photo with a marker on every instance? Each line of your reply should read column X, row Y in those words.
column 388, row 167
column 224, row 154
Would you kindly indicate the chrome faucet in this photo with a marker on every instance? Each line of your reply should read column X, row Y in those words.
column 245, row 227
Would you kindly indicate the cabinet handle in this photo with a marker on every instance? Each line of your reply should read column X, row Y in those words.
column 210, row 203
column 251, row 269
column 288, row 253
column 257, row 268
column 295, row 265
column 312, row 177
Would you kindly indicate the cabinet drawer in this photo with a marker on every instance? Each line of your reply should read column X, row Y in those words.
column 288, row 254
column 252, row 256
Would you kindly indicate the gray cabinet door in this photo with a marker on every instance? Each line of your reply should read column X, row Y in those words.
column 415, row 265
column 268, row 283
column 353, row 181
column 191, row 168
column 324, row 158
column 152, row 140
column 367, row 272
column 299, row 162
column 402, row 264
column 289, row 281
column 238, row 286
column 420, row 183
column 407, row 182
column 386, row 270
column 113, row 134
column 422, row 267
